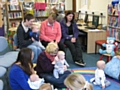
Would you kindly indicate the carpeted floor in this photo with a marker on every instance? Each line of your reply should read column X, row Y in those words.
column 88, row 73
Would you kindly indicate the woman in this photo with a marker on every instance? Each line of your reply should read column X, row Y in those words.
column 24, row 38
column 21, row 70
column 112, row 68
column 70, row 38
column 77, row 82
column 45, row 66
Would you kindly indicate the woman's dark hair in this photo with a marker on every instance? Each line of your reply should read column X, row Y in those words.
column 24, row 57
column 28, row 17
column 70, row 12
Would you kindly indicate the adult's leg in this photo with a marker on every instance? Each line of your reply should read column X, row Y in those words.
column 78, row 50
column 79, row 57
column 71, row 47
column 36, row 51
column 44, row 43
column 61, row 46
column 58, row 83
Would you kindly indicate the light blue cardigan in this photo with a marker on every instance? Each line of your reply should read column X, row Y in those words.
column 112, row 68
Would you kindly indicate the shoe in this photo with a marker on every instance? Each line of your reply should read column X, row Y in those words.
column 81, row 63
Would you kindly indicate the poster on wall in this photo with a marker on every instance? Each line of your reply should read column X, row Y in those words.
column 13, row 2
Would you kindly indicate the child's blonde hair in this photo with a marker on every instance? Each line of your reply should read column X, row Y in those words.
column 77, row 82
column 51, row 47
column 100, row 64
column 60, row 53
column 45, row 86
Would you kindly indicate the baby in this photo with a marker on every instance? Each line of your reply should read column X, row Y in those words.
column 35, row 35
column 35, row 82
column 100, row 78
column 60, row 64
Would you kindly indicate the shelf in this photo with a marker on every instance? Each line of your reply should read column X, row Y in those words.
column 113, row 15
column 15, row 11
column 15, row 18
column 114, row 27
column 41, row 16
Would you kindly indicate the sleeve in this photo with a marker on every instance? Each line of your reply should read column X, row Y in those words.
column 45, row 64
column 21, row 80
column 76, row 30
column 22, row 41
column 66, row 63
column 64, row 31
column 102, row 78
column 42, row 32
column 58, row 36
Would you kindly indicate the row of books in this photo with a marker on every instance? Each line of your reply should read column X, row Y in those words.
column 14, row 15
column 14, row 7
column 113, row 21
column 112, row 32
column 38, row 13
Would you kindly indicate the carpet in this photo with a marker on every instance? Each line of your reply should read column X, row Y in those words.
column 88, row 73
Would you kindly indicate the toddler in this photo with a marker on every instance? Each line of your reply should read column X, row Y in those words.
column 100, row 78
column 45, row 86
column 35, row 35
column 77, row 82
column 35, row 82
column 60, row 64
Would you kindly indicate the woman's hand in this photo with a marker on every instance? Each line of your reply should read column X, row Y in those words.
column 73, row 40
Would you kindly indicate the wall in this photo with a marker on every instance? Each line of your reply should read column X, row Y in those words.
column 68, row 4
column 97, row 6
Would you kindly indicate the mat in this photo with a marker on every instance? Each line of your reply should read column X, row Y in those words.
column 88, row 73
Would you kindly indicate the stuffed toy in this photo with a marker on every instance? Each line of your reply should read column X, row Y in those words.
column 110, row 46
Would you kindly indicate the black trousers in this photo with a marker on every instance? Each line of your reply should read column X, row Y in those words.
column 60, row 45
column 75, row 49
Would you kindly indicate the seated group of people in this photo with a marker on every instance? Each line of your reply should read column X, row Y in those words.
column 43, row 49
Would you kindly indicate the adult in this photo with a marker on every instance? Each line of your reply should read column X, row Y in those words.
column 70, row 38
column 45, row 66
column 51, row 31
column 24, row 38
column 112, row 68
column 21, row 70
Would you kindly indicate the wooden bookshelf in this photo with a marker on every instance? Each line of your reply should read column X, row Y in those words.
column 113, row 24
column 14, row 14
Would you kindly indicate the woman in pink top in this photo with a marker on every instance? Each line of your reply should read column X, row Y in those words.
column 51, row 31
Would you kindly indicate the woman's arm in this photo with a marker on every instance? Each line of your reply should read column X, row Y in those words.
column 20, row 78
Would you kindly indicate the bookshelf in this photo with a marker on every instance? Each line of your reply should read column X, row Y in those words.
column 113, row 27
column 14, row 14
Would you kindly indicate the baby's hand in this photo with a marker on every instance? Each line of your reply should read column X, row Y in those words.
column 53, row 62
column 103, row 86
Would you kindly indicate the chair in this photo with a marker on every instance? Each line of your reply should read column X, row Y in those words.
column 8, row 58
column 109, row 57
column 15, row 42
column 99, row 42
column 1, row 85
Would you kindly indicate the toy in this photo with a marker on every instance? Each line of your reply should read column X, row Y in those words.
column 110, row 46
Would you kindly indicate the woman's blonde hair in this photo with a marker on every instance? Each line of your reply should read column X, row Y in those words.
column 51, row 47
column 77, row 82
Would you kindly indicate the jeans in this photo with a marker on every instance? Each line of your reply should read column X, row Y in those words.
column 58, row 83
column 36, row 50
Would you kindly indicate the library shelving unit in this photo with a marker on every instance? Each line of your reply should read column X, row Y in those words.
column 113, row 28
column 14, row 14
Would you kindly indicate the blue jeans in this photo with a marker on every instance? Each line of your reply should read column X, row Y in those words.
column 58, row 83
column 36, row 50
